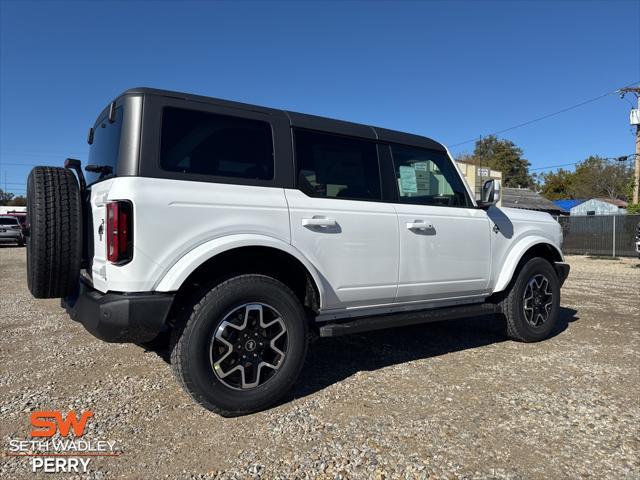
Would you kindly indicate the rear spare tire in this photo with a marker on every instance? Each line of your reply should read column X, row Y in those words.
column 54, row 246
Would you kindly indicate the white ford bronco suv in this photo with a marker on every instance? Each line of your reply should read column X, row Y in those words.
column 242, row 231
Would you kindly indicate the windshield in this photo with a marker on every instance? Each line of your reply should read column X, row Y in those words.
column 103, row 154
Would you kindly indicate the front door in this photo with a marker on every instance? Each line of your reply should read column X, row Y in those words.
column 445, row 249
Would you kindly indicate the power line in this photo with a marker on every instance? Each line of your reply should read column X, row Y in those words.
column 621, row 159
column 544, row 117
column 554, row 166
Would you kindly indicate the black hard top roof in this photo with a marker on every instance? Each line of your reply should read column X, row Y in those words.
column 302, row 120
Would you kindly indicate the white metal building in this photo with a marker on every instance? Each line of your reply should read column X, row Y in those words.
column 4, row 210
column 600, row 206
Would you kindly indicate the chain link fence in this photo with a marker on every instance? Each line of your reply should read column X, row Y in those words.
column 610, row 235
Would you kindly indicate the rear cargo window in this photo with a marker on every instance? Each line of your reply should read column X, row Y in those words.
column 219, row 145
column 103, row 154
column 8, row 221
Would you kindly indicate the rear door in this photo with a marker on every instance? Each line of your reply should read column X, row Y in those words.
column 338, row 219
column 445, row 249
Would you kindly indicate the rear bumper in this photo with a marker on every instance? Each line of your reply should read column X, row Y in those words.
column 11, row 238
column 562, row 270
column 119, row 317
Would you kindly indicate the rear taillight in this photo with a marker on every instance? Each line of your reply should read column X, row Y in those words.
column 119, row 232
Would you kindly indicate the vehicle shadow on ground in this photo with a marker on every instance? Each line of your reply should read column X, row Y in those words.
column 331, row 360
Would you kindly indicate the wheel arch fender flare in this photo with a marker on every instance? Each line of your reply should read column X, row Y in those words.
column 173, row 279
column 515, row 255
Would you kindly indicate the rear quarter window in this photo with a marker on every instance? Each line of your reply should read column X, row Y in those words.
column 205, row 143
column 105, row 148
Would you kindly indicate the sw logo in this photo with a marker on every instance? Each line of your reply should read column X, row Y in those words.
column 57, row 444
column 48, row 423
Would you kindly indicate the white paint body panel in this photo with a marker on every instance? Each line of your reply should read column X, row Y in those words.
column 358, row 256
column 367, row 262
column 173, row 217
column 450, row 256
column 196, row 257
column 99, row 265
column 519, row 230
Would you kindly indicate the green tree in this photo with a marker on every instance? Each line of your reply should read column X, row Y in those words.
column 597, row 177
column 18, row 201
column 503, row 156
column 5, row 197
column 594, row 177
column 556, row 185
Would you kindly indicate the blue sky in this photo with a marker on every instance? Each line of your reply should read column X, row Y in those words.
column 448, row 70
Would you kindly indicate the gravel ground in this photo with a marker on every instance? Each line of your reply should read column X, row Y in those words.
column 450, row 400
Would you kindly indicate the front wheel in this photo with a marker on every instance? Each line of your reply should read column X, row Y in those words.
column 532, row 305
column 243, row 345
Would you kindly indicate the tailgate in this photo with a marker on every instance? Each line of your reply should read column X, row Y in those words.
column 95, row 234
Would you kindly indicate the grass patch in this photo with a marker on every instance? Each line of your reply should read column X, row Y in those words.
column 602, row 257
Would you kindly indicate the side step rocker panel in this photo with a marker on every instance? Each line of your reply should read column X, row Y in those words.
column 402, row 319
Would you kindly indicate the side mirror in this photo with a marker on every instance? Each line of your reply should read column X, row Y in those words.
column 490, row 194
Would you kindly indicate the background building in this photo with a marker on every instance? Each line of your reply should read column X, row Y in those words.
column 529, row 200
column 568, row 204
column 600, row 206
column 6, row 209
column 476, row 176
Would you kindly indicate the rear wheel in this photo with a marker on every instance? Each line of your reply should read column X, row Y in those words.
column 532, row 305
column 243, row 345
column 54, row 247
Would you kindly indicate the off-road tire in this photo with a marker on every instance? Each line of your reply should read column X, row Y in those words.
column 191, row 337
column 512, row 305
column 54, row 226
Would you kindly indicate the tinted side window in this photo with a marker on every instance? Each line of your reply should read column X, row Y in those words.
column 211, row 144
column 427, row 177
column 336, row 167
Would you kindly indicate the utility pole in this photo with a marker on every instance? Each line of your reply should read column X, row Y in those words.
column 634, row 119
